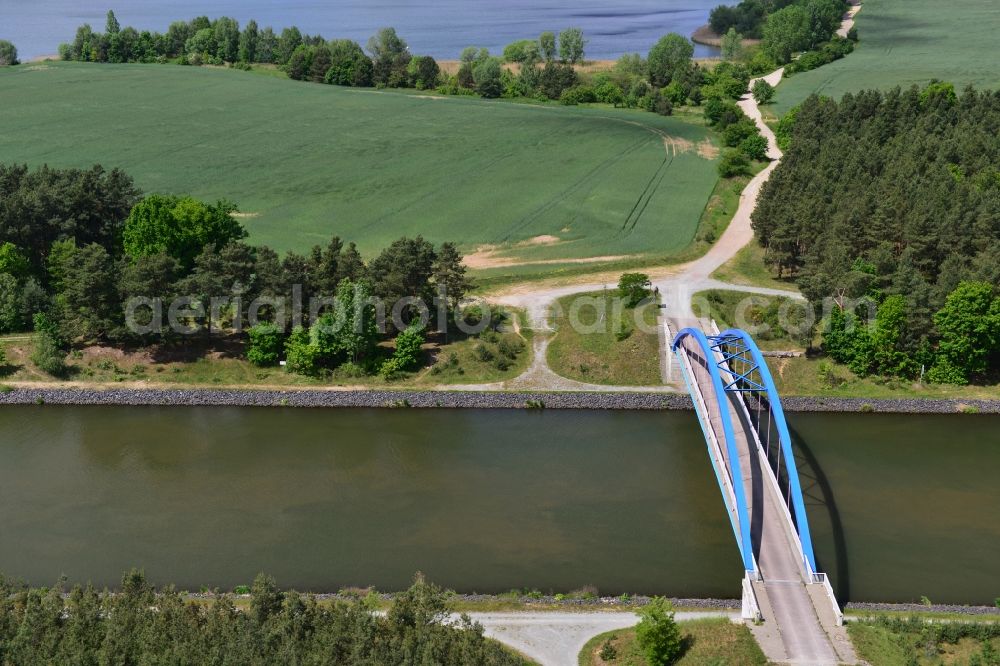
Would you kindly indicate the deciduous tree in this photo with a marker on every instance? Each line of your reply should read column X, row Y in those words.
column 668, row 57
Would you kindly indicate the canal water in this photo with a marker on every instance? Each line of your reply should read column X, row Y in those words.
column 485, row 501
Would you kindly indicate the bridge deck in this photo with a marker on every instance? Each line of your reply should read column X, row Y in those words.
column 803, row 638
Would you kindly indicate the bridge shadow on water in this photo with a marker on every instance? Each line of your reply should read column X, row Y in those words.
column 819, row 499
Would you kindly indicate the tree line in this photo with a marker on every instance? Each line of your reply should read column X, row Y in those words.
column 892, row 199
column 140, row 624
column 540, row 68
column 77, row 246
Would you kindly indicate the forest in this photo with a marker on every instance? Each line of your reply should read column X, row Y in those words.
column 78, row 246
column 892, row 200
column 140, row 624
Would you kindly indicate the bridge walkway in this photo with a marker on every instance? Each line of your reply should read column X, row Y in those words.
column 797, row 621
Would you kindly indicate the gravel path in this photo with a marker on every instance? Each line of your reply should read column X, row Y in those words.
column 556, row 638
column 677, row 284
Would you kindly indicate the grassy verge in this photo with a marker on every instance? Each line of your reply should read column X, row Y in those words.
column 767, row 318
column 707, row 643
column 822, row 377
column 598, row 340
column 747, row 268
column 909, row 643
column 810, row 375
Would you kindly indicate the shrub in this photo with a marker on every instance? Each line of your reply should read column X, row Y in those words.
column 657, row 632
column 390, row 369
column 578, row 95
column 610, row 93
column 735, row 133
column 301, row 357
column 408, row 352
column 351, row 370
column 510, row 347
column 733, row 163
column 763, row 92
column 266, row 344
column 483, row 353
column 608, row 651
column 754, row 147
column 48, row 355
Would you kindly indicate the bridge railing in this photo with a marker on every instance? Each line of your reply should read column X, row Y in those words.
column 731, row 477
column 747, row 374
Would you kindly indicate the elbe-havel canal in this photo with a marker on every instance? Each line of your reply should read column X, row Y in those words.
column 900, row 506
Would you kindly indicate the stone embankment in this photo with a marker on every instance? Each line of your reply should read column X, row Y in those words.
column 202, row 397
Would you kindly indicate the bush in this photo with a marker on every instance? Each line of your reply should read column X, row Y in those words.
column 610, row 93
column 733, row 163
column 487, row 75
column 657, row 632
column 266, row 344
column 409, row 354
column 608, row 650
column 48, row 355
column 656, row 102
column 754, row 147
column 510, row 347
column 763, row 92
column 735, row 133
column 577, row 95
column 301, row 357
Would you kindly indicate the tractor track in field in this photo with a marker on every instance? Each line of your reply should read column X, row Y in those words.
column 567, row 192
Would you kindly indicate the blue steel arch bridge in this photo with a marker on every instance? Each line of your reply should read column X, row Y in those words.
column 791, row 604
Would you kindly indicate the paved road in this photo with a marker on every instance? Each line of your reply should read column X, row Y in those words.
column 556, row 638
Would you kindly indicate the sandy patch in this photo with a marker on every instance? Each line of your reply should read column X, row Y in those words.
column 707, row 149
column 544, row 239
column 676, row 146
column 486, row 256
column 34, row 68
column 100, row 352
column 244, row 216
column 429, row 97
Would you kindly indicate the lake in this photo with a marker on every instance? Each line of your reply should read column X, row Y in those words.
column 441, row 28
column 486, row 501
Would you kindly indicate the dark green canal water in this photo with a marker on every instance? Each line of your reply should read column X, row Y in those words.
column 480, row 500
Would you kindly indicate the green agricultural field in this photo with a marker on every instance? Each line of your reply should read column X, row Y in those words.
column 306, row 161
column 905, row 42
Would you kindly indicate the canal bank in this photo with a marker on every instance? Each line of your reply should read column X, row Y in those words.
column 111, row 395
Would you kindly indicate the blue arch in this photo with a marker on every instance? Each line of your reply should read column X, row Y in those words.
column 784, row 438
column 743, row 515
